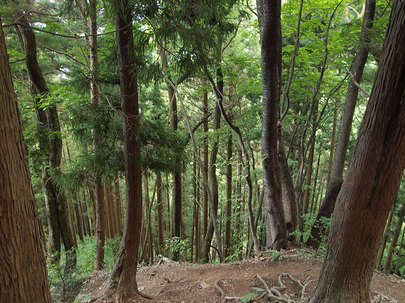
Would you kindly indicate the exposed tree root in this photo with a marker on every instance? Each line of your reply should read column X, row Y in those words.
column 222, row 292
column 111, row 294
column 275, row 291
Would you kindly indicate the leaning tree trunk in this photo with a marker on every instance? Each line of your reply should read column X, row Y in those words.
column 372, row 181
column 336, row 174
column 54, row 196
column 276, row 231
column 23, row 274
column 125, row 267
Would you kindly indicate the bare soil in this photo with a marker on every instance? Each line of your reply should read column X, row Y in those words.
column 170, row 281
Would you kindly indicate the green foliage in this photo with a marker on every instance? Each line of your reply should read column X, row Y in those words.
column 176, row 245
column 248, row 297
column 275, row 255
column 65, row 284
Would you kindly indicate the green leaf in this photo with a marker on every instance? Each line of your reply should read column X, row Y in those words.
column 246, row 298
column 258, row 289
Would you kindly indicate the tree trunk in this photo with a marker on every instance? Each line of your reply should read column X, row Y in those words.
column 276, row 232
column 48, row 117
column 287, row 191
column 124, row 272
column 160, row 211
column 385, row 238
column 94, row 96
column 23, row 274
column 177, row 184
column 336, row 174
column 372, row 181
column 205, row 167
column 394, row 240
column 228, row 213
column 212, row 225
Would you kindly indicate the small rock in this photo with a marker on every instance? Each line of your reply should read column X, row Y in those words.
column 204, row 285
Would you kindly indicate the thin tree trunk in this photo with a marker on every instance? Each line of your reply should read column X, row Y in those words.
column 384, row 239
column 205, row 167
column 394, row 240
column 228, row 213
column 160, row 211
column 23, row 274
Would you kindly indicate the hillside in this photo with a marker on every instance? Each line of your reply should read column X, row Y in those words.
column 170, row 281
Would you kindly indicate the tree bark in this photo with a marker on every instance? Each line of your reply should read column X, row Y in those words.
column 23, row 274
column 159, row 211
column 228, row 213
column 372, row 181
column 94, row 97
column 125, row 267
column 276, row 232
column 287, row 191
column 336, row 175
column 205, row 167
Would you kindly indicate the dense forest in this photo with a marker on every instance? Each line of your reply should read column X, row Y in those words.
column 204, row 131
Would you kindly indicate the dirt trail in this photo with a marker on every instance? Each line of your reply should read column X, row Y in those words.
column 179, row 282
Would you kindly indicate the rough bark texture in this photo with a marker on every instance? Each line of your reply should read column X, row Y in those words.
column 23, row 274
column 276, row 232
column 336, row 175
column 124, row 272
column 372, row 181
column 55, row 198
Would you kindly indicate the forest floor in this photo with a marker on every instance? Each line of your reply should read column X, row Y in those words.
column 170, row 281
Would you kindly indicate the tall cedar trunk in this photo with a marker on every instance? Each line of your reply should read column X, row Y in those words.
column 205, row 167
column 124, row 272
column 54, row 195
column 336, row 175
column 394, row 240
column 159, row 211
column 94, row 96
column 228, row 198
column 276, row 232
column 372, row 181
column 23, row 274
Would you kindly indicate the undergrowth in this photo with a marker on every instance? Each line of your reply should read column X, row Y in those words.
column 65, row 284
